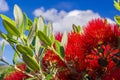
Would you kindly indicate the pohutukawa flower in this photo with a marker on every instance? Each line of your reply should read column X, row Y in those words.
column 99, row 32
column 94, row 52
column 113, row 75
column 99, row 43
column 73, row 54
column 17, row 75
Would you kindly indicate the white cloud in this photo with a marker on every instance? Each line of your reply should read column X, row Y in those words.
column 1, row 41
column 63, row 20
column 3, row 6
column 110, row 21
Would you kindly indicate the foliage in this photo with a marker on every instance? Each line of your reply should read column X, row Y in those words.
column 91, row 53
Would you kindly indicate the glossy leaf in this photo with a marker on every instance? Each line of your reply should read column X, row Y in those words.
column 44, row 38
column 11, row 39
column 64, row 39
column 117, row 19
column 79, row 28
column 30, row 78
column 75, row 29
column 59, row 49
column 31, row 62
column 31, row 34
column 15, row 58
column 45, row 29
column 4, row 36
column 29, row 24
column 18, row 15
column 49, row 77
column 37, row 45
column 49, row 29
column 24, row 50
column 40, row 23
column 10, row 25
column 117, row 5
column 52, row 37
column 24, row 24
column 41, row 52
column 4, row 17
column 2, row 49
column 11, row 29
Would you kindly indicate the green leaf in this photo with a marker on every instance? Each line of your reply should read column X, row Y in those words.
column 31, row 34
column 49, row 77
column 4, row 17
column 24, row 50
column 45, row 30
column 4, row 36
column 31, row 62
column 11, row 29
column 62, row 54
column 24, row 24
column 117, row 19
column 75, row 29
column 64, row 39
column 11, row 39
column 44, row 38
column 18, row 15
column 10, row 25
column 37, row 45
column 15, row 58
column 2, row 49
column 59, row 49
column 52, row 37
column 117, row 5
column 79, row 28
column 42, row 54
column 40, row 23
column 29, row 24
column 57, row 46
column 30, row 78
column 49, row 29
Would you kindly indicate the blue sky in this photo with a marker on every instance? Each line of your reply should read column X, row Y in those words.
column 63, row 13
column 104, row 7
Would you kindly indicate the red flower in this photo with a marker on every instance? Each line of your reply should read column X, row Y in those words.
column 99, row 32
column 58, row 36
column 17, row 75
column 94, row 52
column 99, row 43
column 73, row 54
column 102, row 57
column 102, row 62
column 51, row 58
column 113, row 75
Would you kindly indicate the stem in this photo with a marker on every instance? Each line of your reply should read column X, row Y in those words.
column 6, row 62
column 23, row 72
column 16, row 68
column 15, row 50
column 40, row 60
column 54, row 51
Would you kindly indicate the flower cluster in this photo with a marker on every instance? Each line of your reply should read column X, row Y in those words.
column 93, row 54
column 88, row 53
column 17, row 75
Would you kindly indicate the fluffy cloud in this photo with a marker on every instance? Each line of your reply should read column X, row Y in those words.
column 63, row 20
column 3, row 6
